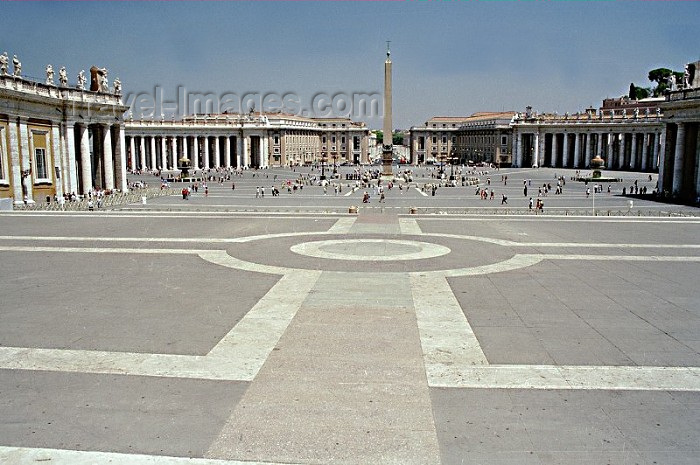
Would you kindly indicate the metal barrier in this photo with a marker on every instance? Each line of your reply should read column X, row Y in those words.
column 108, row 201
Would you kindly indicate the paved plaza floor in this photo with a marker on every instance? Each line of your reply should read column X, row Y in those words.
column 230, row 329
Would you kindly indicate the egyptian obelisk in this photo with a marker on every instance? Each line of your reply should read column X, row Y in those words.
column 387, row 141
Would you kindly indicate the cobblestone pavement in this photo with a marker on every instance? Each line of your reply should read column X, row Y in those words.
column 233, row 329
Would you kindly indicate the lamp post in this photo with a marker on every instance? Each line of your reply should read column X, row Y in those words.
column 452, row 164
column 323, row 166
column 335, row 164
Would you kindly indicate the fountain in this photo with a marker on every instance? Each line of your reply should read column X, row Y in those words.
column 597, row 164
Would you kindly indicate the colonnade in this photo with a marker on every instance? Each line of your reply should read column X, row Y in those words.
column 81, row 157
column 161, row 152
column 636, row 150
column 679, row 174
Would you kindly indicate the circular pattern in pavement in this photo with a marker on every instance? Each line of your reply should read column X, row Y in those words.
column 370, row 249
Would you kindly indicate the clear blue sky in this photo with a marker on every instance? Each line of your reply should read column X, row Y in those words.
column 450, row 58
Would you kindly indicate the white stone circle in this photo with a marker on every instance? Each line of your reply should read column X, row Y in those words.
column 372, row 250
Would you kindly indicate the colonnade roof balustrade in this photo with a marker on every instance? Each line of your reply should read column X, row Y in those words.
column 605, row 118
column 29, row 87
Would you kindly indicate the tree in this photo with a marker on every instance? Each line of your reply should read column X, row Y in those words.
column 397, row 138
column 633, row 91
column 659, row 75
column 642, row 92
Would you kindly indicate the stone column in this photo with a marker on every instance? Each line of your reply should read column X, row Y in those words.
column 15, row 163
column 536, row 155
column 26, row 157
column 239, row 152
column 577, row 150
column 72, row 181
column 553, row 157
column 264, row 156
column 59, row 173
column 589, row 150
column 142, row 152
column 678, row 160
column 163, row 152
column 173, row 151
column 154, row 163
column 633, row 152
column 132, row 153
column 217, row 154
column 645, row 151
column 623, row 149
column 518, row 150
column 85, row 161
column 195, row 153
column 565, row 159
column 228, row 151
column 611, row 151
column 107, row 158
column 185, row 150
column 658, row 138
column 120, row 157
column 246, row 152
column 206, row 152
column 599, row 135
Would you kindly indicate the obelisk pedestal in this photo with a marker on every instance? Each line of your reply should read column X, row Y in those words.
column 387, row 140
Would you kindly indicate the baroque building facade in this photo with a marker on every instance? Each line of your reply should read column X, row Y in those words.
column 57, row 138
column 253, row 140
column 434, row 141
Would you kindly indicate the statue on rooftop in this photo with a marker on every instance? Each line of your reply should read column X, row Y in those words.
column 49, row 75
column 81, row 80
column 98, row 79
column 62, row 77
column 17, row 66
column 117, row 87
column 3, row 64
column 672, row 82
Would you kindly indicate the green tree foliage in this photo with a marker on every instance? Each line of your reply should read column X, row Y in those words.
column 643, row 92
column 397, row 137
column 638, row 93
column 659, row 75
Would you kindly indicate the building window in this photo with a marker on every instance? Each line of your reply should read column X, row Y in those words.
column 504, row 140
column 277, row 140
column 40, row 163
column 421, row 143
column 434, row 139
column 323, row 139
column 444, row 139
column 342, row 140
column 333, row 140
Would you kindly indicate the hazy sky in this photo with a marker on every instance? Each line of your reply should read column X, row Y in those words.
column 449, row 58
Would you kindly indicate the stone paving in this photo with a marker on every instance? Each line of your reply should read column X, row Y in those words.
column 198, row 332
